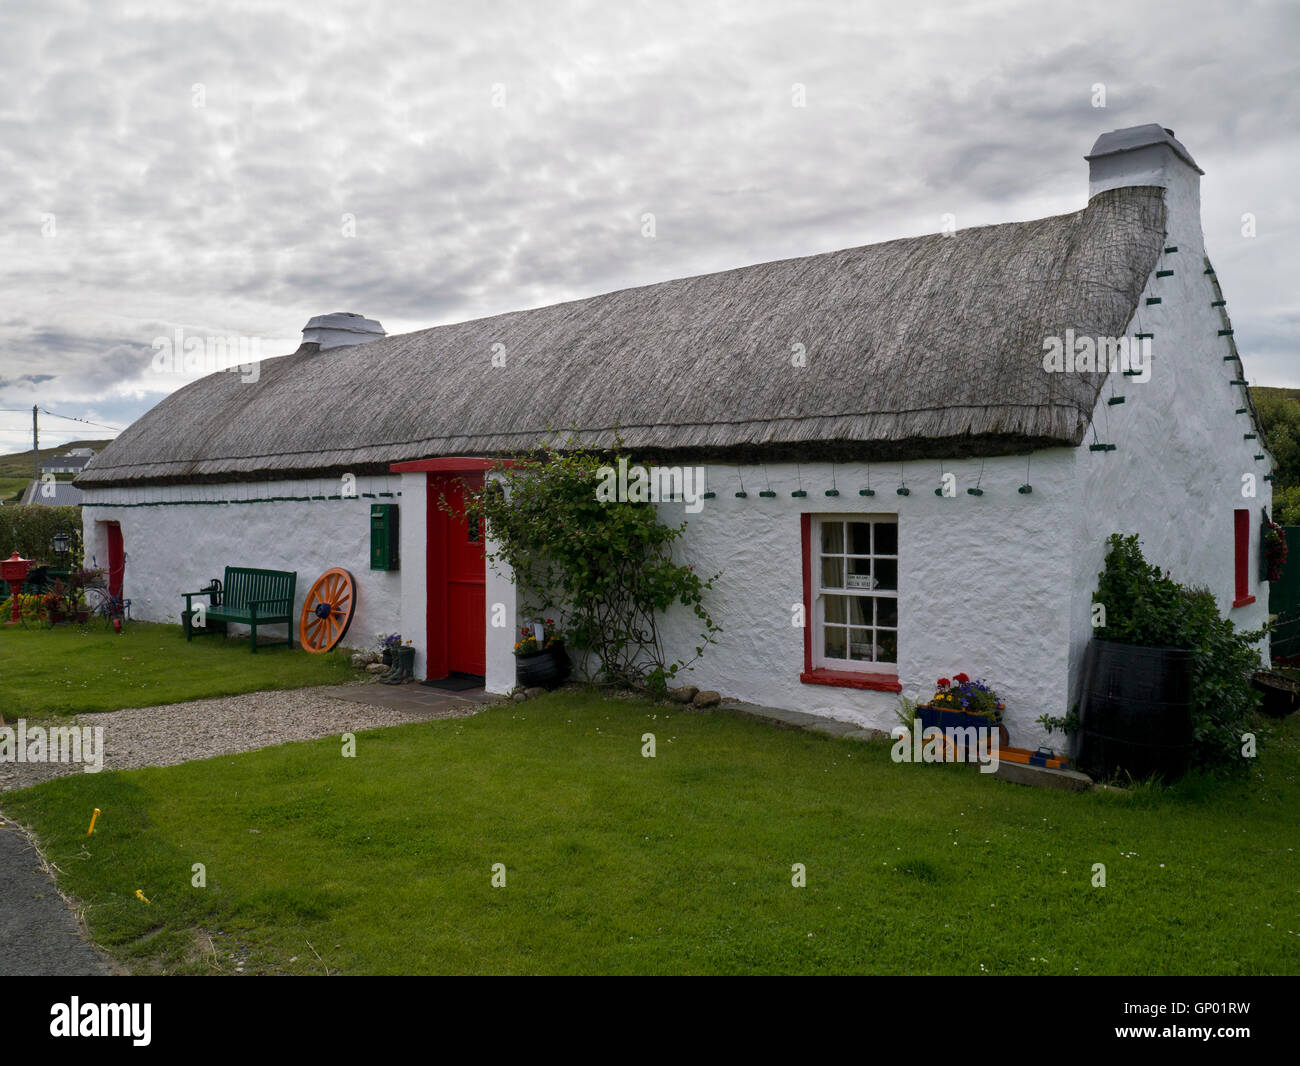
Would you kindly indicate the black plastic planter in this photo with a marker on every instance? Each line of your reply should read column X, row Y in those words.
column 1136, row 713
column 543, row 669
column 1281, row 694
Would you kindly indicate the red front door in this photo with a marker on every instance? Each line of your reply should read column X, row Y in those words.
column 457, row 580
column 116, row 558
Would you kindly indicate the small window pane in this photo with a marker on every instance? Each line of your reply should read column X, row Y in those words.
column 860, row 645
column 859, row 538
column 886, row 538
column 835, row 609
column 886, row 647
column 859, row 610
column 835, row 641
column 887, row 612
column 832, row 573
column 886, row 573
column 833, row 537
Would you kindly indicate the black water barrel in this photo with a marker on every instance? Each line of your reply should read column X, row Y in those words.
column 1136, row 711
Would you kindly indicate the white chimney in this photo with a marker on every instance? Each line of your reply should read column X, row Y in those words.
column 340, row 329
column 1150, row 155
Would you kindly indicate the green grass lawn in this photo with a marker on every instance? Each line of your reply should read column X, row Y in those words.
column 12, row 487
column 681, row 863
column 70, row 669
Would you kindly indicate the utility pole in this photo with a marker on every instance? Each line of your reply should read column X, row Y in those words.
column 36, row 444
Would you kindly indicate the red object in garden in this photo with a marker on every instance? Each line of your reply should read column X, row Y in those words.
column 14, row 571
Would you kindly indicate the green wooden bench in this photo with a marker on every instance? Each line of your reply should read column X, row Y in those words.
column 250, row 597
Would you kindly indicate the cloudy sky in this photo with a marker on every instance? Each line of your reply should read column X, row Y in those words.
column 232, row 169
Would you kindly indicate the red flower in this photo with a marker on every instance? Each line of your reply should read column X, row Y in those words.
column 962, row 678
column 944, row 682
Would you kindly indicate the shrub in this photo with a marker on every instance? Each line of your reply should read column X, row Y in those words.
column 1145, row 606
column 606, row 569
column 30, row 530
column 1286, row 505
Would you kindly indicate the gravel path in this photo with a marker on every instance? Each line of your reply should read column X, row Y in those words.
column 198, row 729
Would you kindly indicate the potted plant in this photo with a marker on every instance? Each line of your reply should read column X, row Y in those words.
column 959, row 703
column 540, row 658
column 78, row 582
column 87, row 578
column 58, row 604
column 388, row 643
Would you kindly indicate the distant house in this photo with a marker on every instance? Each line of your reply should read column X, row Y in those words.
column 52, row 494
column 72, row 462
column 914, row 452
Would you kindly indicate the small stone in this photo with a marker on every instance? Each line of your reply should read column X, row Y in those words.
column 376, row 668
column 374, row 657
column 358, row 660
column 707, row 698
column 533, row 692
column 683, row 695
column 518, row 697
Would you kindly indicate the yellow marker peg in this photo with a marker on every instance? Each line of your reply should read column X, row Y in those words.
column 139, row 894
column 92, row 822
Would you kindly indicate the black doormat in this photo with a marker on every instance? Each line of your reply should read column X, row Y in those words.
column 456, row 682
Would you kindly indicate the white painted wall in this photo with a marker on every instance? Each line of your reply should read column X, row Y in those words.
column 501, row 607
column 983, row 583
column 1175, row 477
column 177, row 546
column 413, row 622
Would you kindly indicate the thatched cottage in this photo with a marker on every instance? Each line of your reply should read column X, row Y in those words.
column 934, row 437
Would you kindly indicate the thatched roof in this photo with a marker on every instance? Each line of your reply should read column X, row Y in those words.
column 924, row 346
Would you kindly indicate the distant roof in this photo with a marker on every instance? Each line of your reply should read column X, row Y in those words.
column 66, row 461
column 925, row 346
column 66, row 494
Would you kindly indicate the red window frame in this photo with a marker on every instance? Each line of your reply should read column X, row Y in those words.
column 1241, row 546
column 820, row 675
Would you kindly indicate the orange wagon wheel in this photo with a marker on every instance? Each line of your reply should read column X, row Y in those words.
column 327, row 611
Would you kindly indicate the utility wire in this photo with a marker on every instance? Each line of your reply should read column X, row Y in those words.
column 87, row 421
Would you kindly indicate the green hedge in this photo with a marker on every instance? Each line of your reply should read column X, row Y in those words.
column 30, row 532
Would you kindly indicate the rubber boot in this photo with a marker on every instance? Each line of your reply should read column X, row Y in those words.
column 393, row 667
column 404, row 658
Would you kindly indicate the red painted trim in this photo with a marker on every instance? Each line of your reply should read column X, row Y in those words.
column 850, row 679
column 454, row 464
column 805, row 536
column 1241, row 544
column 435, row 604
column 1244, row 601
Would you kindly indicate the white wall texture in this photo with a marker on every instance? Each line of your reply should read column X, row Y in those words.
column 412, row 620
column 1175, row 477
column 178, row 546
column 983, row 582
